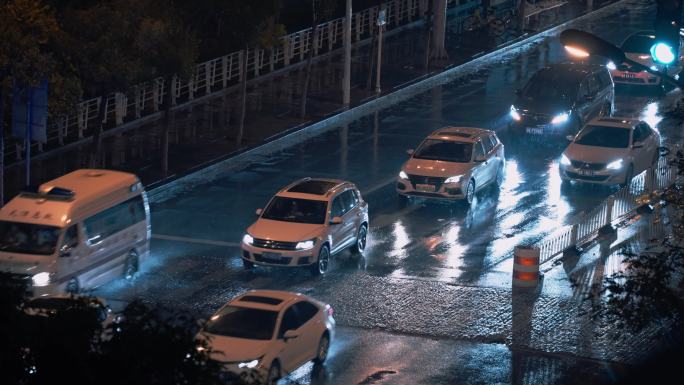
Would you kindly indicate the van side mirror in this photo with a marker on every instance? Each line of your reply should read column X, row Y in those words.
column 409, row 152
column 336, row 221
column 259, row 211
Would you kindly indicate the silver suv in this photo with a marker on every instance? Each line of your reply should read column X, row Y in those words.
column 305, row 223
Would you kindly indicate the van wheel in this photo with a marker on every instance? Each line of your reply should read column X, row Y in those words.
column 322, row 263
column 73, row 287
column 131, row 266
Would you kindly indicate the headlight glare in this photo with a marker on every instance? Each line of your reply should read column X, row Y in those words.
column 615, row 165
column 611, row 66
column 41, row 279
column 515, row 114
column 560, row 118
column 248, row 239
column 403, row 175
column 248, row 364
column 654, row 68
column 305, row 245
column 564, row 160
column 453, row 179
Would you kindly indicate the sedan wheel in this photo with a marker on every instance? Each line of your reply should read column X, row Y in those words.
column 470, row 192
column 273, row 374
column 321, row 266
column 322, row 352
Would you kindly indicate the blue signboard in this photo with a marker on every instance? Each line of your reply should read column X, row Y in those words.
column 29, row 107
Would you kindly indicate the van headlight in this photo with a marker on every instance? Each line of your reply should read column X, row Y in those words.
column 41, row 279
column 403, row 175
column 560, row 118
column 564, row 160
column 249, row 364
column 615, row 165
column 453, row 179
column 305, row 245
column 247, row 239
column 515, row 114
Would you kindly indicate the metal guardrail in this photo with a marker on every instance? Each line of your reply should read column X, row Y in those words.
column 220, row 73
column 624, row 202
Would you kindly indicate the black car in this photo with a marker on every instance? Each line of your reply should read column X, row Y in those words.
column 560, row 98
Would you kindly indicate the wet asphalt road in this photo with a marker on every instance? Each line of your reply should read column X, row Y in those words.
column 195, row 263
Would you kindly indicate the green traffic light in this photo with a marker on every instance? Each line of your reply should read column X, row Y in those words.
column 662, row 53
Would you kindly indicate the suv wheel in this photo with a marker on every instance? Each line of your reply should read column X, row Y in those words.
column 131, row 266
column 322, row 263
column 470, row 192
column 361, row 237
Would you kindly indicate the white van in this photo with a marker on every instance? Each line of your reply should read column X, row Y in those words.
column 76, row 232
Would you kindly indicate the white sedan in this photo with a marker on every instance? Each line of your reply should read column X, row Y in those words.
column 610, row 151
column 265, row 334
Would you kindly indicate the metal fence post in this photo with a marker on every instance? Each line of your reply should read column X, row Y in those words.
column 608, row 226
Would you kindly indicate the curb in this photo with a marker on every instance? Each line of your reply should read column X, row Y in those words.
column 167, row 188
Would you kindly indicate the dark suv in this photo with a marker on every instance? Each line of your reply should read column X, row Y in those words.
column 559, row 98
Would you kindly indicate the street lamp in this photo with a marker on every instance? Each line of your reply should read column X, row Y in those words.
column 582, row 44
column 381, row 22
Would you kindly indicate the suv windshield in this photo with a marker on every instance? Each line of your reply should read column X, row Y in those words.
column 551, row 86
column 240, row 322
column 448, row 151
column 603, row 136
column 28, row 238
column 296, row 210
column 638, row 44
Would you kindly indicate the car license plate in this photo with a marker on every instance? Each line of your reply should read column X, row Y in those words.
column 586, row 172
column 535, row 130
column 629, row 75
column 271, row 256
column 425, row 188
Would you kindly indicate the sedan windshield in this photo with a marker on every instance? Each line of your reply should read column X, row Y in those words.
column 551, row 87
column 296, row 210
column 240, row 322
column 28, row 238
column 448, row 151
column 602, row 136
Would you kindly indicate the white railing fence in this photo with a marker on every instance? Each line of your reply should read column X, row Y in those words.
column 623, row 202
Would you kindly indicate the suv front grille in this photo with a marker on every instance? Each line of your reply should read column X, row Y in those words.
column 587, row 166
column 275, row 245
column 420, row 179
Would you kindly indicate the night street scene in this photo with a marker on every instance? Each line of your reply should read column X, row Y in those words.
column 324, row 192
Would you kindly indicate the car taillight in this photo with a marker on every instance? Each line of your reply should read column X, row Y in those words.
column 329, row 310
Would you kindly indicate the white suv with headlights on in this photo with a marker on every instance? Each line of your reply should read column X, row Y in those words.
column 305, row 223
column 453, row 163
column 261, row 335
column 610, row 151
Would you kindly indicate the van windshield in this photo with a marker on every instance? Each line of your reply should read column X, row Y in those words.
column 28, row 238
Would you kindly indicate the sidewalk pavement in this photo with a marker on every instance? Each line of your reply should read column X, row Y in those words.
column 205, row 133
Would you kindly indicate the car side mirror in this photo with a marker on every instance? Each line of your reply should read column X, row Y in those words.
column 637, row 145
column 290, row 334
column 480, row 158
column 570, row 138
column 336, row 221
column 65, row 251
column 409, row 152
column 259, row 211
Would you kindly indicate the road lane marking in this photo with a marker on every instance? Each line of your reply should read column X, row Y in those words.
column 195, row 240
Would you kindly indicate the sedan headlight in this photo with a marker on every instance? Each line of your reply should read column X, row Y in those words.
column 564, row 160
column 654, row 68
column 560, row 118
column 611, row 66
column 615, row 165
column 403, row 175
column 248, row 239
column 248, row 364
column 41, row 279
column 515, row 114
column 305, row 245
column 453, row 179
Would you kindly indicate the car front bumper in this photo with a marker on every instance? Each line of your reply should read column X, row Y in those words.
column 275, row 257
column 635, row 78
column 601, row 177
column 445, row 191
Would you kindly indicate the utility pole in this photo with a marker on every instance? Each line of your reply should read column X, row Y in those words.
column 346, row 82
column 381, row 23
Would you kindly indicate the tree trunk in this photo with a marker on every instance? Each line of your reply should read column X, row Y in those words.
column 166, row 126
column 243, row 99
column 437, row 50
column 96, row 148
column 309, row 61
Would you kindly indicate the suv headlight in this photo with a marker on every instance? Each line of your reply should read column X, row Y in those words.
column 615, row 165
column 564, row 160
column 453, row 179
column 403, row 175
column 248, row 239
column 515, row 114
column 41, row 279
column 305, row 245
column 560, row 118
column 249, row 364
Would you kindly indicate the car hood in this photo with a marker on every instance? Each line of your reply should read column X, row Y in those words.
column 24, row 263
column 231, row 349
column 594, row 154
column 647, row 60
column 546, row 107
column 436, row 168
column 283, row 231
